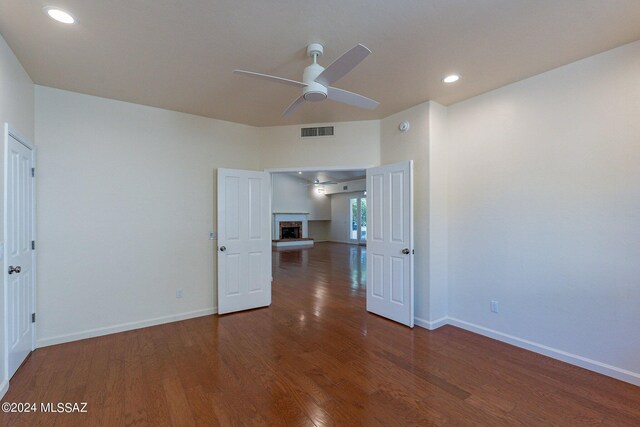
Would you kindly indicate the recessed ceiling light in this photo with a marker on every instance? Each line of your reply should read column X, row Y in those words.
column 299, row 173
column 451, row 78
column 59, row 15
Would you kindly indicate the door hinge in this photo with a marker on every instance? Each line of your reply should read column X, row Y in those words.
column 33, row 245
column 33, row 318
column 33, row 172
column 413, row 251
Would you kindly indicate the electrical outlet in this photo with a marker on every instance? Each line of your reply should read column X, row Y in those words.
column 179, row 293
column 494, row 306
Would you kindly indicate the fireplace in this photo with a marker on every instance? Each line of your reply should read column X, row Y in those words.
column 290, row 230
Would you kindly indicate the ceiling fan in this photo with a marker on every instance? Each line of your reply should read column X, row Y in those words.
column 317, row 182
column 317, row 80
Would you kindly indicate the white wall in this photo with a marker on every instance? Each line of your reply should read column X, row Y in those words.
column 413, row 145
column 16, row 93
column 319, row 205
column 354, row 144
column 438, row 294
column 126, row 200
column 17, row 109
column 544, row 211
column 320, row 231
column 289, row 194
column 293, row 195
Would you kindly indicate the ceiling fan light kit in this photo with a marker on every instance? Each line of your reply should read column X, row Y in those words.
column 317, row 80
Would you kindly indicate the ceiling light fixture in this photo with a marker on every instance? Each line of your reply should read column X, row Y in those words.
column 299, row 172
column 59, row 15
column 451, row 78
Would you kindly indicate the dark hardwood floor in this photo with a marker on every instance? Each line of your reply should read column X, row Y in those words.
column 315, row 357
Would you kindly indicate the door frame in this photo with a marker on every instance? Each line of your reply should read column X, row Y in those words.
column 11, row 132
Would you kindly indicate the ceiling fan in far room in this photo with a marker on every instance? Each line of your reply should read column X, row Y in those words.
column 317, row 182
column 317, row 80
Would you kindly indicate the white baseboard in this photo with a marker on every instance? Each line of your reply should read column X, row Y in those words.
column 573, row 359
column 430, row 325
column 91, row 333
column 3, row 388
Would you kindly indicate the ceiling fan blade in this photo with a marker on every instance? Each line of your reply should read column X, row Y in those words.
column 351, row 98
column 294, row 106
column 269, row 78
column 343, row 65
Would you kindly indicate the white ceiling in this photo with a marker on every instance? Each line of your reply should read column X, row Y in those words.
column 180, row 55
column 336, row 176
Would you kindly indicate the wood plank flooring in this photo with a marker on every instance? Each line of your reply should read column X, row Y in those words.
column 314, row 358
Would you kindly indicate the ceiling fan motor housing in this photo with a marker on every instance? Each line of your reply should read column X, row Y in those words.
column 315, row 49
column 314, row 91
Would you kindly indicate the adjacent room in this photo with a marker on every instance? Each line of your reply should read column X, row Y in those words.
column 325, row 206
column 320, row 213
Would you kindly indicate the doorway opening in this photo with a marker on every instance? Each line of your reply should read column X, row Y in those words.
column 358, row 219
column 319, row 219
column 311, row 206
column 381, row 215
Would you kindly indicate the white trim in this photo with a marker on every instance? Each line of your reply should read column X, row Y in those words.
column 430, row 325
column 554, row 353
column 5, row 343
column 318, row 169
column 122, row 327
column 344, row 242
column 574, row 359
column 34, row 251
column 301, row 243
column 4, row 387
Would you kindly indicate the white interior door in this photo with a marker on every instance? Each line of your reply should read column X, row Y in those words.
column 244, row 240
column 390, row 241
column 19, row 273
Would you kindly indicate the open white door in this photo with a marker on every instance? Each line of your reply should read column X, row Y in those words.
column 390, row 241
column 19, row 249
column 244, row 240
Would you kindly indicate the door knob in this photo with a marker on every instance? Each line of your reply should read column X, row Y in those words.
column 223, row 248
column 13, row 269
column 406, row 251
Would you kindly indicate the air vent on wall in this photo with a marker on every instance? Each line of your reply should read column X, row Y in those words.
column 318, row 131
